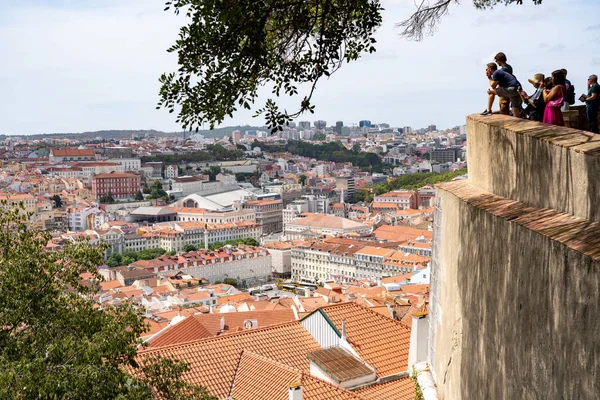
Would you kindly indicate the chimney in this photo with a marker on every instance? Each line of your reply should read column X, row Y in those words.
column 295, row 391
column 212, row 309
column 205, row 237
column 344, row 329
column 222, row 324
column 419, row 336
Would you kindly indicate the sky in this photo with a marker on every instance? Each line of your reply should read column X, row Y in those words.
column 83, row 65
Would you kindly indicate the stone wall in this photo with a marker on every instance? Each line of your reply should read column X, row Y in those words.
column 515, row 285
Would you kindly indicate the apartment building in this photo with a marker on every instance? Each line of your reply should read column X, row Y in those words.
column 120, row 185
column 404, row 199
column 58, row 156
column 246, row 264
column 344, row 260
column 269, row 214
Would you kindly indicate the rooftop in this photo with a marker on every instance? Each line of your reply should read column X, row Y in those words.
column 326, row 221
column 339, row 364
column 213, row 362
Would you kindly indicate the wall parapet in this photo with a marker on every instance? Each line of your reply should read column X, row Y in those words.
column 515, row 272
column 543, row 165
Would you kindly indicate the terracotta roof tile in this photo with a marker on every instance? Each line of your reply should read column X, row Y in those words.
column 213, row 361
column 399, row 389
column 260, row 378
column 380, row 341
column 212, row 322
column 400, row 233
column 185, row 331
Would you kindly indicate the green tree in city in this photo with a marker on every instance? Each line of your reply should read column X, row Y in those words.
column 189, row 247
column 231, row 281
column 107, row 199
column 302, row 179
column 58, row 203
column 212, row 172
column 139, row 196
column 55, row 343
column 114, row 260
column 227, row 50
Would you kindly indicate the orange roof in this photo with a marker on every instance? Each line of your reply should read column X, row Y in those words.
column 385, row 205
column 379, row 341
column 107, row 285
column 185, row 331
column 260, row 378
column 70, row 152
column 397, row 278
column 213, row 362
column 400, row 233
column 236, row 320
column 233, row 298
column 278, row 245
column 397, row 194
column 115, row 175
column 399, row 389
column 375, row 251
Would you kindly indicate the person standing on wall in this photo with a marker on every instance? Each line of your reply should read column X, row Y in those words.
column 592, row 101
column 554, row 99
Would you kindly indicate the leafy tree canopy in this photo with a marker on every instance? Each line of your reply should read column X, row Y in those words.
column 228, row 49
column 55, row 343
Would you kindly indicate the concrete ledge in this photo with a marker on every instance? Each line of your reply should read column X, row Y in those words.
column 576, row 233
column 515, row 306
column 538, row 164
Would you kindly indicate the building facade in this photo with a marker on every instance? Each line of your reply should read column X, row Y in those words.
column 120, row 185
column 269, row 214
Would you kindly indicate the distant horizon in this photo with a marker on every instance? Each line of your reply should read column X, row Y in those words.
column 199, row 131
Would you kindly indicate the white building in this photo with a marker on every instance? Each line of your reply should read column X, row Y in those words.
column 128, row 164
column 171, row 171
column 281, row 254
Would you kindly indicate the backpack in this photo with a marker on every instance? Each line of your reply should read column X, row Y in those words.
column 570, row 95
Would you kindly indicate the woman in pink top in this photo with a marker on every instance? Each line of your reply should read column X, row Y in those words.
column 554, row 99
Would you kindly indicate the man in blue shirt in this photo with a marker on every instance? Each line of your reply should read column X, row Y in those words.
column 505, row 85
column 592, row 101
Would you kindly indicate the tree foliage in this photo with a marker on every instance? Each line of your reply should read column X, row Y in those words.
column 128, row 256
column 189, row 247
column 54, row 341
column 213, row 153
column 58, row 203
column 408, row 181
column 107, row 199
column 333, row 151
column 227, row 50
column 212, row 172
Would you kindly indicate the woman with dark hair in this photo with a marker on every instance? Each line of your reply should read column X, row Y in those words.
column 554, row 98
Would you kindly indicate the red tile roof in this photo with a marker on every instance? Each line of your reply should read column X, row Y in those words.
column 260, row 378
column 185, row 331
column 380, row 341
column 213, row 362
column 400, row 233
column 70, row 152
column 209, row 325
column 399, row 389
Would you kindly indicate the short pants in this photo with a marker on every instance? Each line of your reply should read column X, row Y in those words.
column 512, row 94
